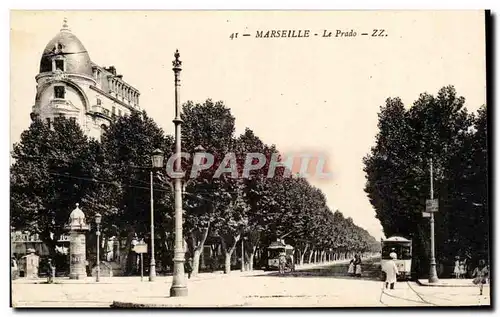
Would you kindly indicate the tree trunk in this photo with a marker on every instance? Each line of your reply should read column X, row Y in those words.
column 228, row 253
column 252, row 256
column 311, row 253
column 303, row 254
column 323, row 256
column 198, row 249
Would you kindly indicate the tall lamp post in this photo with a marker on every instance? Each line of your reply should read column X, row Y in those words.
column 433, row 277
column 179, row 287
column 98, row 233
column 156, row 162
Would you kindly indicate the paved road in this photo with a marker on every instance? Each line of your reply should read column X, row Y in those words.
column 319, row 286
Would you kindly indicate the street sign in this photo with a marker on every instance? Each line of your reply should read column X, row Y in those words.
column 431, row 205
column 426, row 214
column 141, row 248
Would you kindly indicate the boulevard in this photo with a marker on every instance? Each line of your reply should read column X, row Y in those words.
column 322, row 285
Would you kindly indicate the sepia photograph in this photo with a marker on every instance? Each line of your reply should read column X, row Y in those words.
column 249, row 158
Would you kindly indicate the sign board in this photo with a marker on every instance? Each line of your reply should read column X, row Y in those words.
column 426, row 214
column 431, row 205
column 141, row 248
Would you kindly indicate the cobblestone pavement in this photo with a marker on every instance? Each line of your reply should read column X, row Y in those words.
column 310, row 286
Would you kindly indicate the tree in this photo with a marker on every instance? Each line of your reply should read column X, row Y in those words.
column 127, row 145
column 55, row 168
column 210, row 125
column 398, row 170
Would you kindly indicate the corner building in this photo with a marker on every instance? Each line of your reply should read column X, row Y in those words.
column 69, row 84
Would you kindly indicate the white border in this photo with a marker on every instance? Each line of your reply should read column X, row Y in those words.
column 192, row 5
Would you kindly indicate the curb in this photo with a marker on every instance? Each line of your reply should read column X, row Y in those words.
column 443, row 285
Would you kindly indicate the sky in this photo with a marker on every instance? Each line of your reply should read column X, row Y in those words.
column 317, row 94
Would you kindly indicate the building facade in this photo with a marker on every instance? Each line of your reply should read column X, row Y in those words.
column 69, row 84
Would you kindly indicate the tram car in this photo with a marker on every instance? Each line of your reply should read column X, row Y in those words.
column 273, row 254
column 403, row 248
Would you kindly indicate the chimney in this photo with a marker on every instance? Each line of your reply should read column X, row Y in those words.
column 111, row 69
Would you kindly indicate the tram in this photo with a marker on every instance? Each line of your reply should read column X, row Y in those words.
column 273, row 254
column 403, row 248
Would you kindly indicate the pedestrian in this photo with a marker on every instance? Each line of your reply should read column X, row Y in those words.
column 457, row 268
column 290, row 262
column 463, row 268
column 391, row 271
column 282, row 262
column 350, row 270
column 481, row 274
column 357, row 266
column 188, row 267
column 87, row 268
column 51, row 271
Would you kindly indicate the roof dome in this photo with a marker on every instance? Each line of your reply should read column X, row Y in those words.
column 77, row 213
column 67, row 45
column 77, row 220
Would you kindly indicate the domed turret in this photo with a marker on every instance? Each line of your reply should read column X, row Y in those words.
column 77, row 220
column 66, row 53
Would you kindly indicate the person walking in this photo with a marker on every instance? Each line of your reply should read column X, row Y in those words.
column 282, row 262
column 357, row 266
column 51, row 272
column 391, row 271
column 463, row 268
column 457, row 269
column 350, row 270
column 481, row 274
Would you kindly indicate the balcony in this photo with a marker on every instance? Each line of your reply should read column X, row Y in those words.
column 63, row 107
column 101, row 112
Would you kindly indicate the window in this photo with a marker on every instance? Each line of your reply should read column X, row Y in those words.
column 103, row 129
column 48, row 121
column 59, row 92
column 113, row 111
column 99, row 101
column 119, row 113
column 403, row 251
column 105, row 112
column 60, row 65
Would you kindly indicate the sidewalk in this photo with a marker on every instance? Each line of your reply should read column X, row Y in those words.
column 129, row 279
column 449, row 282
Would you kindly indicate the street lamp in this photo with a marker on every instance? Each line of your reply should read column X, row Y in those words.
column 433, row 276
column 179, row 287
column 156, row 162
column 98, row 233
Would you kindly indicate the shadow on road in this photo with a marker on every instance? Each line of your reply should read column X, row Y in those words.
column 370, row 272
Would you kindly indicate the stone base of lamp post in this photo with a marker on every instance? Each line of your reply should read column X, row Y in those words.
column 179, row 287
column 152, row 271
column 433, row 277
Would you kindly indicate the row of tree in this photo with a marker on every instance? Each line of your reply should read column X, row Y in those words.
column 398, row 175
column 56, row 167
